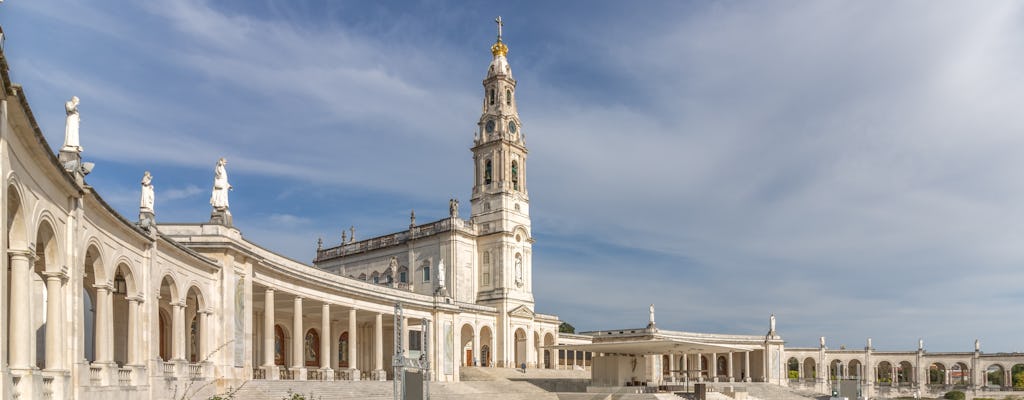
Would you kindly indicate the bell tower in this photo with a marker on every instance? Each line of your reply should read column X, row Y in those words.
column 500, row 203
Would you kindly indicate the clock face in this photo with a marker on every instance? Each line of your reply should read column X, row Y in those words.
column 489, row 126
column 511, row 126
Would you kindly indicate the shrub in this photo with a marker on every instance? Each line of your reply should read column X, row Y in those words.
column 954, row 395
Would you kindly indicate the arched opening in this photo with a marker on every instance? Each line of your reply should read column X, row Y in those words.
column 195, row 307
column 491, row 96
column 486, row 356
column 835, row 370
column 343, row 350
column 937, row 374
column 17, row 242
column 280, row 344
column 168, row 301
column 549, row 356
column 124, row 286
column 375, row 278
column 515, row 175
column 466, row 341
column 508, row 97
column 704, row 366
column 905, row 373
column 855, row 370
column 487, row 172
column 959, row 374
column 995, row 375
column 722, row 366
column 1017, row 376
column 810, row 369
column 885, row 374
column 520, row 337
column 43, row 294
column 311, row 344
column 793, row 369
column 93, row 262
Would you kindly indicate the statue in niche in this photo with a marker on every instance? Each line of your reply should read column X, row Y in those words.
column 147, row 198
column 519, row 270
column 71, row 126
column 219, row 198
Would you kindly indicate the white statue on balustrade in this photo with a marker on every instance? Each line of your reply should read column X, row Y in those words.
column 219, row 198
column 71, row 126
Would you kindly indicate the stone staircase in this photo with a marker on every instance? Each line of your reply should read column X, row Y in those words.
column 767, row 391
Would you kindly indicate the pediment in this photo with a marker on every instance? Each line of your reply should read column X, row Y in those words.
column 521, row 312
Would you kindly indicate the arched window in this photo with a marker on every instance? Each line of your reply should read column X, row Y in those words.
column 515, row 176
column 492, row 97
column 508, row 97
column 487, row 172
column 426, row 273
column 375, row 278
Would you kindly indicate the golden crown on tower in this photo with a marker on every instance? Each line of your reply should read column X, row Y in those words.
column 499, row 48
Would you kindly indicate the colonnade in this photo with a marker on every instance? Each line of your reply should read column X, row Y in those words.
column 694, row 367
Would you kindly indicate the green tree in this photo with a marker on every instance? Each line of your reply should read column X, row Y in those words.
column 954, row 395
column 565, row 327
column 1018, row 375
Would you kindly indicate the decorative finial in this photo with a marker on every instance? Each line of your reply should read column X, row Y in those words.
column 500, row 23
column 771, row 325
column 319, row 243
column 352, row 230
column 920, row 344
column 652, row 315
column 977, row 345
column 344, row 236
column 869, row 344
column 821, row 341
column 412, row 218
column 499, row 48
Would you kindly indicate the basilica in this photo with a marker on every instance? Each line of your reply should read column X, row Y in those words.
column 98, row 305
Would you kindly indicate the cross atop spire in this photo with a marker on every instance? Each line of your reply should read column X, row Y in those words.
column 500, row 23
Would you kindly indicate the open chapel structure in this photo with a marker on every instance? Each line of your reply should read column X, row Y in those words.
column 95, row 306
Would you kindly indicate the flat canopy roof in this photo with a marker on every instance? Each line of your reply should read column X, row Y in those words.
column 654, row 346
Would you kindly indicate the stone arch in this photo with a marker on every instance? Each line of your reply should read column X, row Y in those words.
column 937, row 373
column 855, row 369
column 995, row 375
column 959, row 374
column 722, row 365
column 520, row 346
column 375, row 278
column 17, row 232
column 168, row 296
column 486, row 351
column 47, row 262
column 123, row 288
column 793, row 369
column 343, row 350
column 810, row 368
column 169, row 289
column 1017, row 376
column 195, row 309
column 164, row 330
column 904, row 373
column 885, row 373
column 836, row 370
column 466, row 334
column 311, row 348
column 550, row 355
column 91, row 270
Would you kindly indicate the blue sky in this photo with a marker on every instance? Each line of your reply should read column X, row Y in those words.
column 853, row 167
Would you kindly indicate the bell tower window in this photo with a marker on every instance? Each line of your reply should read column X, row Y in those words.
column 492, row 97
column 515, row 175
column 508, row 97
column 487, row 172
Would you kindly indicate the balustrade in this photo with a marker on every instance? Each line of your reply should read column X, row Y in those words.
column 314, row 375
column 287, row 374
column 259, row 373
column 124, row 376
column 95, row 375
column 168, row 370
column 47, row 387
column 342, row 375
column 15, row 385
column 195, row 371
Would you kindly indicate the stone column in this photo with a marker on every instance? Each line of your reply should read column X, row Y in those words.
column 405, row 336
column 352, row 348
column 54, row 333
column 204, row 335
column 20, row 349
column 268, row 328
column 476, row 350
column 133, row 330
column 728, row 365
column 103, row 324
column 746, row 366
column 298, row 335
column 325, row 337
column 713, row 370
column 672, row 367
column 699, row 367
column 378, row 347
column 178, row 332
